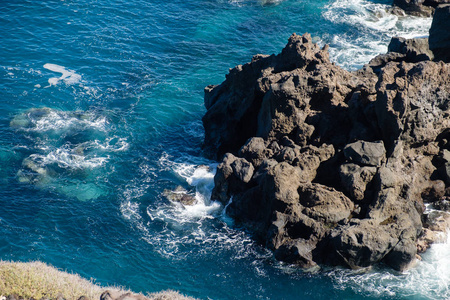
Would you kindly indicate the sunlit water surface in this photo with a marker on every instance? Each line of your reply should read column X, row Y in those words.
column 101, row 107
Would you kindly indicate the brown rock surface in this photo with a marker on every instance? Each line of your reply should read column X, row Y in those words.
column 330, row 166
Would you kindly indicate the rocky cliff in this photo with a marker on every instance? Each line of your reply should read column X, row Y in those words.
column 330, row 166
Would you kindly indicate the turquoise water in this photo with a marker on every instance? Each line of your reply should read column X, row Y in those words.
column 101, row 107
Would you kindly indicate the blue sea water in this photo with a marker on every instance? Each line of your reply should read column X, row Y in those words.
column 101, row 105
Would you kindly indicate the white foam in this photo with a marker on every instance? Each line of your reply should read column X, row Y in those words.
column 200, row 231
column 67, row 144
column 361, row 13
column 413, row 27
column 184, row 228
column 69, row 159
column 59, row 120
column 429, row 279
column 269, row 2
column 113, row 144
column 375, row 27
column 130, row 210
column 202, row 178
column 252, row 2
column 87, row 155
column 352, row 55
column 47, row 119
column 68, row 76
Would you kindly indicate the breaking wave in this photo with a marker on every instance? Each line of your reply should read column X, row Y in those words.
column 429, row 279
column 370, row 27
column 177, row 230
column 42, row 120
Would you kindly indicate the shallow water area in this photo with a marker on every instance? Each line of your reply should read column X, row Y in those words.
column 102, row 105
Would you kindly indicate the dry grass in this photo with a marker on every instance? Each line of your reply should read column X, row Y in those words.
column 168, row 295
column 37, row 280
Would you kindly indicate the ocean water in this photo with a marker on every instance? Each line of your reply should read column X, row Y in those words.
column 101, row 105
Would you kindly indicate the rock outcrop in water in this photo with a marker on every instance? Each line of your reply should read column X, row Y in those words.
column 330, row 166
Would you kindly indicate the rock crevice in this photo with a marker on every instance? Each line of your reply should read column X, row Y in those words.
column 330, row 166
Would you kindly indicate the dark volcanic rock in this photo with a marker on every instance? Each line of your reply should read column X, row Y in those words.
column 180, row 195
column 415, row 50
column 442, row 204
column 255, row 151
column 415, row 7
column 420, row 8
column 354, row 179
column 366, row 153
column 242, row 169
column 330, row 166
column 249, row 102
column 440, row 33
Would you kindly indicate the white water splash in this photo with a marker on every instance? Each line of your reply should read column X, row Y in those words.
column 112, row 144
column 68, row 157
column 428, row 279
column 259, row 2
column 45, row 119
column 201, row 177
column 69, row 151
column 185, row 230
column 269, row 2
column 375, row 27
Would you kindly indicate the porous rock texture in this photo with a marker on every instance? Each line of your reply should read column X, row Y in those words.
column 327, row 166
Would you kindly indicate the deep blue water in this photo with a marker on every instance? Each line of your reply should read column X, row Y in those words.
column 101, row 105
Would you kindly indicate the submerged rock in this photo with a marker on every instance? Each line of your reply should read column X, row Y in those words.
column 330, row 166
column 180, row 195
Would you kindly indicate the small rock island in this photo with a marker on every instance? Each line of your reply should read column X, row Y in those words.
column 328, row 166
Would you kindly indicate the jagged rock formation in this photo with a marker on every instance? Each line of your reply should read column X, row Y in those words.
column 330, row 166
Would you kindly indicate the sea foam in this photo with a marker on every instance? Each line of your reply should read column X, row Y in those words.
column 69, row 150
column 41, row 120
column 201, row 178
column 371, row 27
column 429, row 279
column 180, row 231
column 68, row 76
